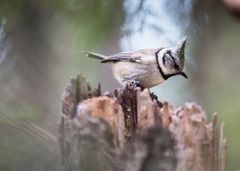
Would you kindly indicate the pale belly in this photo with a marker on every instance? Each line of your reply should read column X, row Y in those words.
column 147, row 75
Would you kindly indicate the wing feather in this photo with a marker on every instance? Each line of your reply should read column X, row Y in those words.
column 139, row 56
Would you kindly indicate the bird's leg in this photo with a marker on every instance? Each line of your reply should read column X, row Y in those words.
column 155, row 97
column 152, row 95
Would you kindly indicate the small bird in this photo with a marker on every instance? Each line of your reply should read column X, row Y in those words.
column 146, row 68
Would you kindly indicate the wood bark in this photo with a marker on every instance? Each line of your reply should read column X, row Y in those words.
column 130, row 130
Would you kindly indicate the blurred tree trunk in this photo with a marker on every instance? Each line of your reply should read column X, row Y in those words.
column 131, row 130
column 204, row 27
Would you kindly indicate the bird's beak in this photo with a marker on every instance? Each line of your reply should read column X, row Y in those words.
column 183, row 74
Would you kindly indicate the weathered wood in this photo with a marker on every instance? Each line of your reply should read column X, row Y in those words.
column 196, row 138
column 130, row 130
column 222, row 150
column 76, row 91
column 152, row 150
column 129, row 107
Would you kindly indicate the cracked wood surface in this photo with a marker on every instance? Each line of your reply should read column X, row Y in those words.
column 130, row 130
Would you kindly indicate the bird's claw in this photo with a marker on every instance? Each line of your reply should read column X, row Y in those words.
column 135, row 84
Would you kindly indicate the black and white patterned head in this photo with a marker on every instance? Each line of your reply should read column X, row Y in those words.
column 171, row 60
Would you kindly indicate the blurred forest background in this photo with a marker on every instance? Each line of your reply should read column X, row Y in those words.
column 41, row 44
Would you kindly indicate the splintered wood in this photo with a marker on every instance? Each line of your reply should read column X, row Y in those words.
column 130, row 130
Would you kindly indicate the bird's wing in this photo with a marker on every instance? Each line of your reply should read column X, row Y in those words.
column 140, row 56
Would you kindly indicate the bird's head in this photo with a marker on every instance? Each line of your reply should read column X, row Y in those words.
column 171, row 59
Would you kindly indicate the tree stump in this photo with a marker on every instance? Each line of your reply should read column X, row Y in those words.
column 130, row 130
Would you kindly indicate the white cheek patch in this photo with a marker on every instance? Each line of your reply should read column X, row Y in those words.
column 160, row 56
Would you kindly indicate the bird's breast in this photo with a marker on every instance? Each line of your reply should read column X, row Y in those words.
column 147, row 75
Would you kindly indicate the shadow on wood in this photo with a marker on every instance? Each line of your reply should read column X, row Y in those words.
column 130, row 130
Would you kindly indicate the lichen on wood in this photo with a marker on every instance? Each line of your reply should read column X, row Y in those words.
column 130, row 130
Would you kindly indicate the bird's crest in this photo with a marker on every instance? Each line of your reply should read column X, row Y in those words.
column 181, row 50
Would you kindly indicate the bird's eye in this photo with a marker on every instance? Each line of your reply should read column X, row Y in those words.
column 176, row 66
column 164, row 60
column 167, row 60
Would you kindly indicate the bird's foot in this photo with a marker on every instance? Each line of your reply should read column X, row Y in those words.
column 135, row 84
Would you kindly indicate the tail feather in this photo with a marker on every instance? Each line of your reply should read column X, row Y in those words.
column 95, row 55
